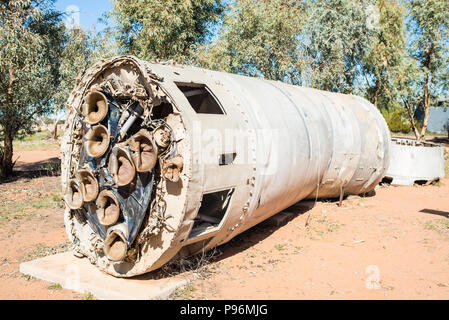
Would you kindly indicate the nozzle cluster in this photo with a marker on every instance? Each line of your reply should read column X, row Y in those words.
column 118, row 166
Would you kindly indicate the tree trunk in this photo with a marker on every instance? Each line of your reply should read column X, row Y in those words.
column 54, row 132
column 426, row 119
column 376, row 93
column 412, row 119
column 55, row 129
column 6, row 164
column 426, row 105
column 427, row 90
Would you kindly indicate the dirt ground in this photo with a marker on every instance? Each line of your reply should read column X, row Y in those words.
column 31, row 226
column 28, row 160
column 393, row 245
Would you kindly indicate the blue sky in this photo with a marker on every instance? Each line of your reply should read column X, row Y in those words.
column 89, row 11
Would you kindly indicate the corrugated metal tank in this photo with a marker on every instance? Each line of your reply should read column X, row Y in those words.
column 253, row 148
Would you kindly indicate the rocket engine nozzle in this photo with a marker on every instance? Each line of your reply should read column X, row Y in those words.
column 145, row 152
column 88, row 185
column 115, row 246
column 121, row 166
column 108, row 209
column 73, row 196
column 97, row 141
column 95, row 107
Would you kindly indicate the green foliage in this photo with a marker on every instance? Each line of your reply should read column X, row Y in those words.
column 165, row 29
column 427, row 67
column 55, row 286
column 318, row 44
column 74, row 58
column 28, row 51
column 338, row 35
column 259, row 38
column 398, row 121
column 429, row 24
column 385, row 56
column 439, row 225
column 34, row 137
column 30, row 36
column 80, row 50
column 393, row 52
column 88, row 296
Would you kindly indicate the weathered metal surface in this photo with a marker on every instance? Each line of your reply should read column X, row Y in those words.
column 231, row 152
column 413, row 161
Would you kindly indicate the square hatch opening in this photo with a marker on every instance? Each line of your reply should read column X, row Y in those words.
column 213, row 209
column 201, row 98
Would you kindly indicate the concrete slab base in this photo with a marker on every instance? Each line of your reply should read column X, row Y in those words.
column 81, row 276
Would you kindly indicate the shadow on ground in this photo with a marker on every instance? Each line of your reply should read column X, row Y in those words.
column 47, row 168
column 436, row 212
column 440, row 140
column 39, row 165
column 240, row 243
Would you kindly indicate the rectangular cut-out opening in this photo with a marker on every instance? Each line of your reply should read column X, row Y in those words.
column 227, row 159
column 201, row 98
column 214, row 207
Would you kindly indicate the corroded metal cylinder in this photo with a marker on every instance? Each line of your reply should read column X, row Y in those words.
column 196, row 157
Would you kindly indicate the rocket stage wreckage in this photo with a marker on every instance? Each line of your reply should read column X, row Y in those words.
column 163, row 161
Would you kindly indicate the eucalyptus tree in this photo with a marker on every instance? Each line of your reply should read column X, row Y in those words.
column 385, row 55
column 165, row 29
column 338, row 35
column 319, row 44
column 426, row 74
column 80, row 49
column 259, row 38
column 30, row 36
